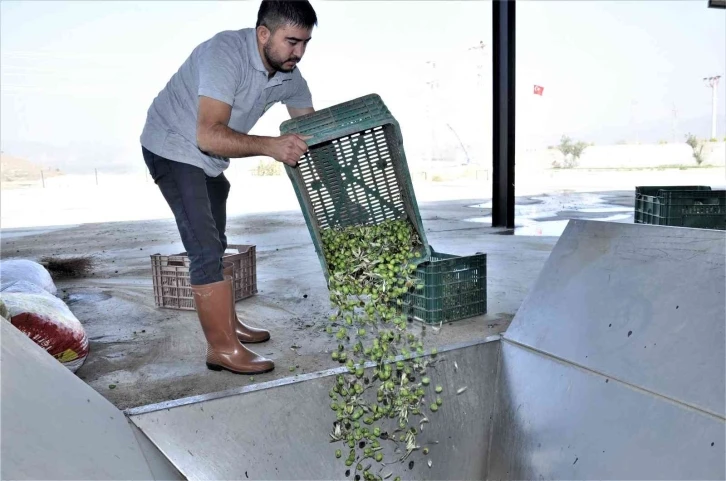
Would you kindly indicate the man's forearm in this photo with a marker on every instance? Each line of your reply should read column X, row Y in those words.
column 220, row 140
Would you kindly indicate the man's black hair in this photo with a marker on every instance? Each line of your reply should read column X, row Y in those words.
column 274, row 14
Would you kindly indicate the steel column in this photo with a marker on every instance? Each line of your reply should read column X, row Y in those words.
column 503, row 28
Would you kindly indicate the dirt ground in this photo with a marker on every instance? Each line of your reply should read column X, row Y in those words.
column 151, row 355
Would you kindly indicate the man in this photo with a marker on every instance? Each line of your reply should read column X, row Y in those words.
column 196, row 124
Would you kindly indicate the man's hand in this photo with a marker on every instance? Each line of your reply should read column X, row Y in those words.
column 287, row 148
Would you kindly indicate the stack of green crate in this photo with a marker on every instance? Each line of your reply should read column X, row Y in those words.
column 355, row 173
column 682, row 206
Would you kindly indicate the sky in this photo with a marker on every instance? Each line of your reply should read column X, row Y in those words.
column 76, row 78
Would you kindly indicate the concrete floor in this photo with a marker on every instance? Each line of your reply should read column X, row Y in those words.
column 152, row 355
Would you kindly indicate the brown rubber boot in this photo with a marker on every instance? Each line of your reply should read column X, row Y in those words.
column 214, row 307
column 246, row 334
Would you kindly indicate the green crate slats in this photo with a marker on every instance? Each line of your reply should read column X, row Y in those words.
column 340, row 120
column 355, row 172
column 653, row 191
column 455, row 288
column 705, row 209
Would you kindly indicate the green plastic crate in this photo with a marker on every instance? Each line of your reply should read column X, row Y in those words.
column 355, row 172
column 654, row 189
column 644, row 194
column 704, row 209
column 455, row 287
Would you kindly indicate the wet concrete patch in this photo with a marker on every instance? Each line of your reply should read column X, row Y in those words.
column 550, row 215
column 86, row 297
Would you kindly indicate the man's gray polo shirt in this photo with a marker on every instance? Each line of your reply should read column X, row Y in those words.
column 227, row 68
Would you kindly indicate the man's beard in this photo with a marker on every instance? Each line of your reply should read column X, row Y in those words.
column 276, row 63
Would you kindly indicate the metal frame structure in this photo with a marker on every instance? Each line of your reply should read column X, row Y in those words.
column 504, row 46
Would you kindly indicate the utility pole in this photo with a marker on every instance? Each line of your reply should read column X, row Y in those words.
column 713, row 83
column 481, row 57
column 433, row 110
column 674, row 128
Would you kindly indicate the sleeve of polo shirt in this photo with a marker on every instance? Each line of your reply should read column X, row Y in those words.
column 219, row 70
column 300, row 98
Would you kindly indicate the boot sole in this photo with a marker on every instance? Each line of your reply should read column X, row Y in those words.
column 217, row 367
column 253, row 342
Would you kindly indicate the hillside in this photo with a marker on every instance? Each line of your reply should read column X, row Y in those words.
column 18, row 170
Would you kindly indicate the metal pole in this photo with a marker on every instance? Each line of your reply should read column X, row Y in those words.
column 675, row 126
column 42, row 178
column 713, row 83
column 714, row 93
column 503, row 47
column 96, row 171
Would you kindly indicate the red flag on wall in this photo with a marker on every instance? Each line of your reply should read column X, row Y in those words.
column 538, row 90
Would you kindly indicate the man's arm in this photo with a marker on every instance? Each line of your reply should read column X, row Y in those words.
column 215, row 137
column 294, row 112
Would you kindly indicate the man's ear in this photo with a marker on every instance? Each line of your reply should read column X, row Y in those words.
column 263, row 34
